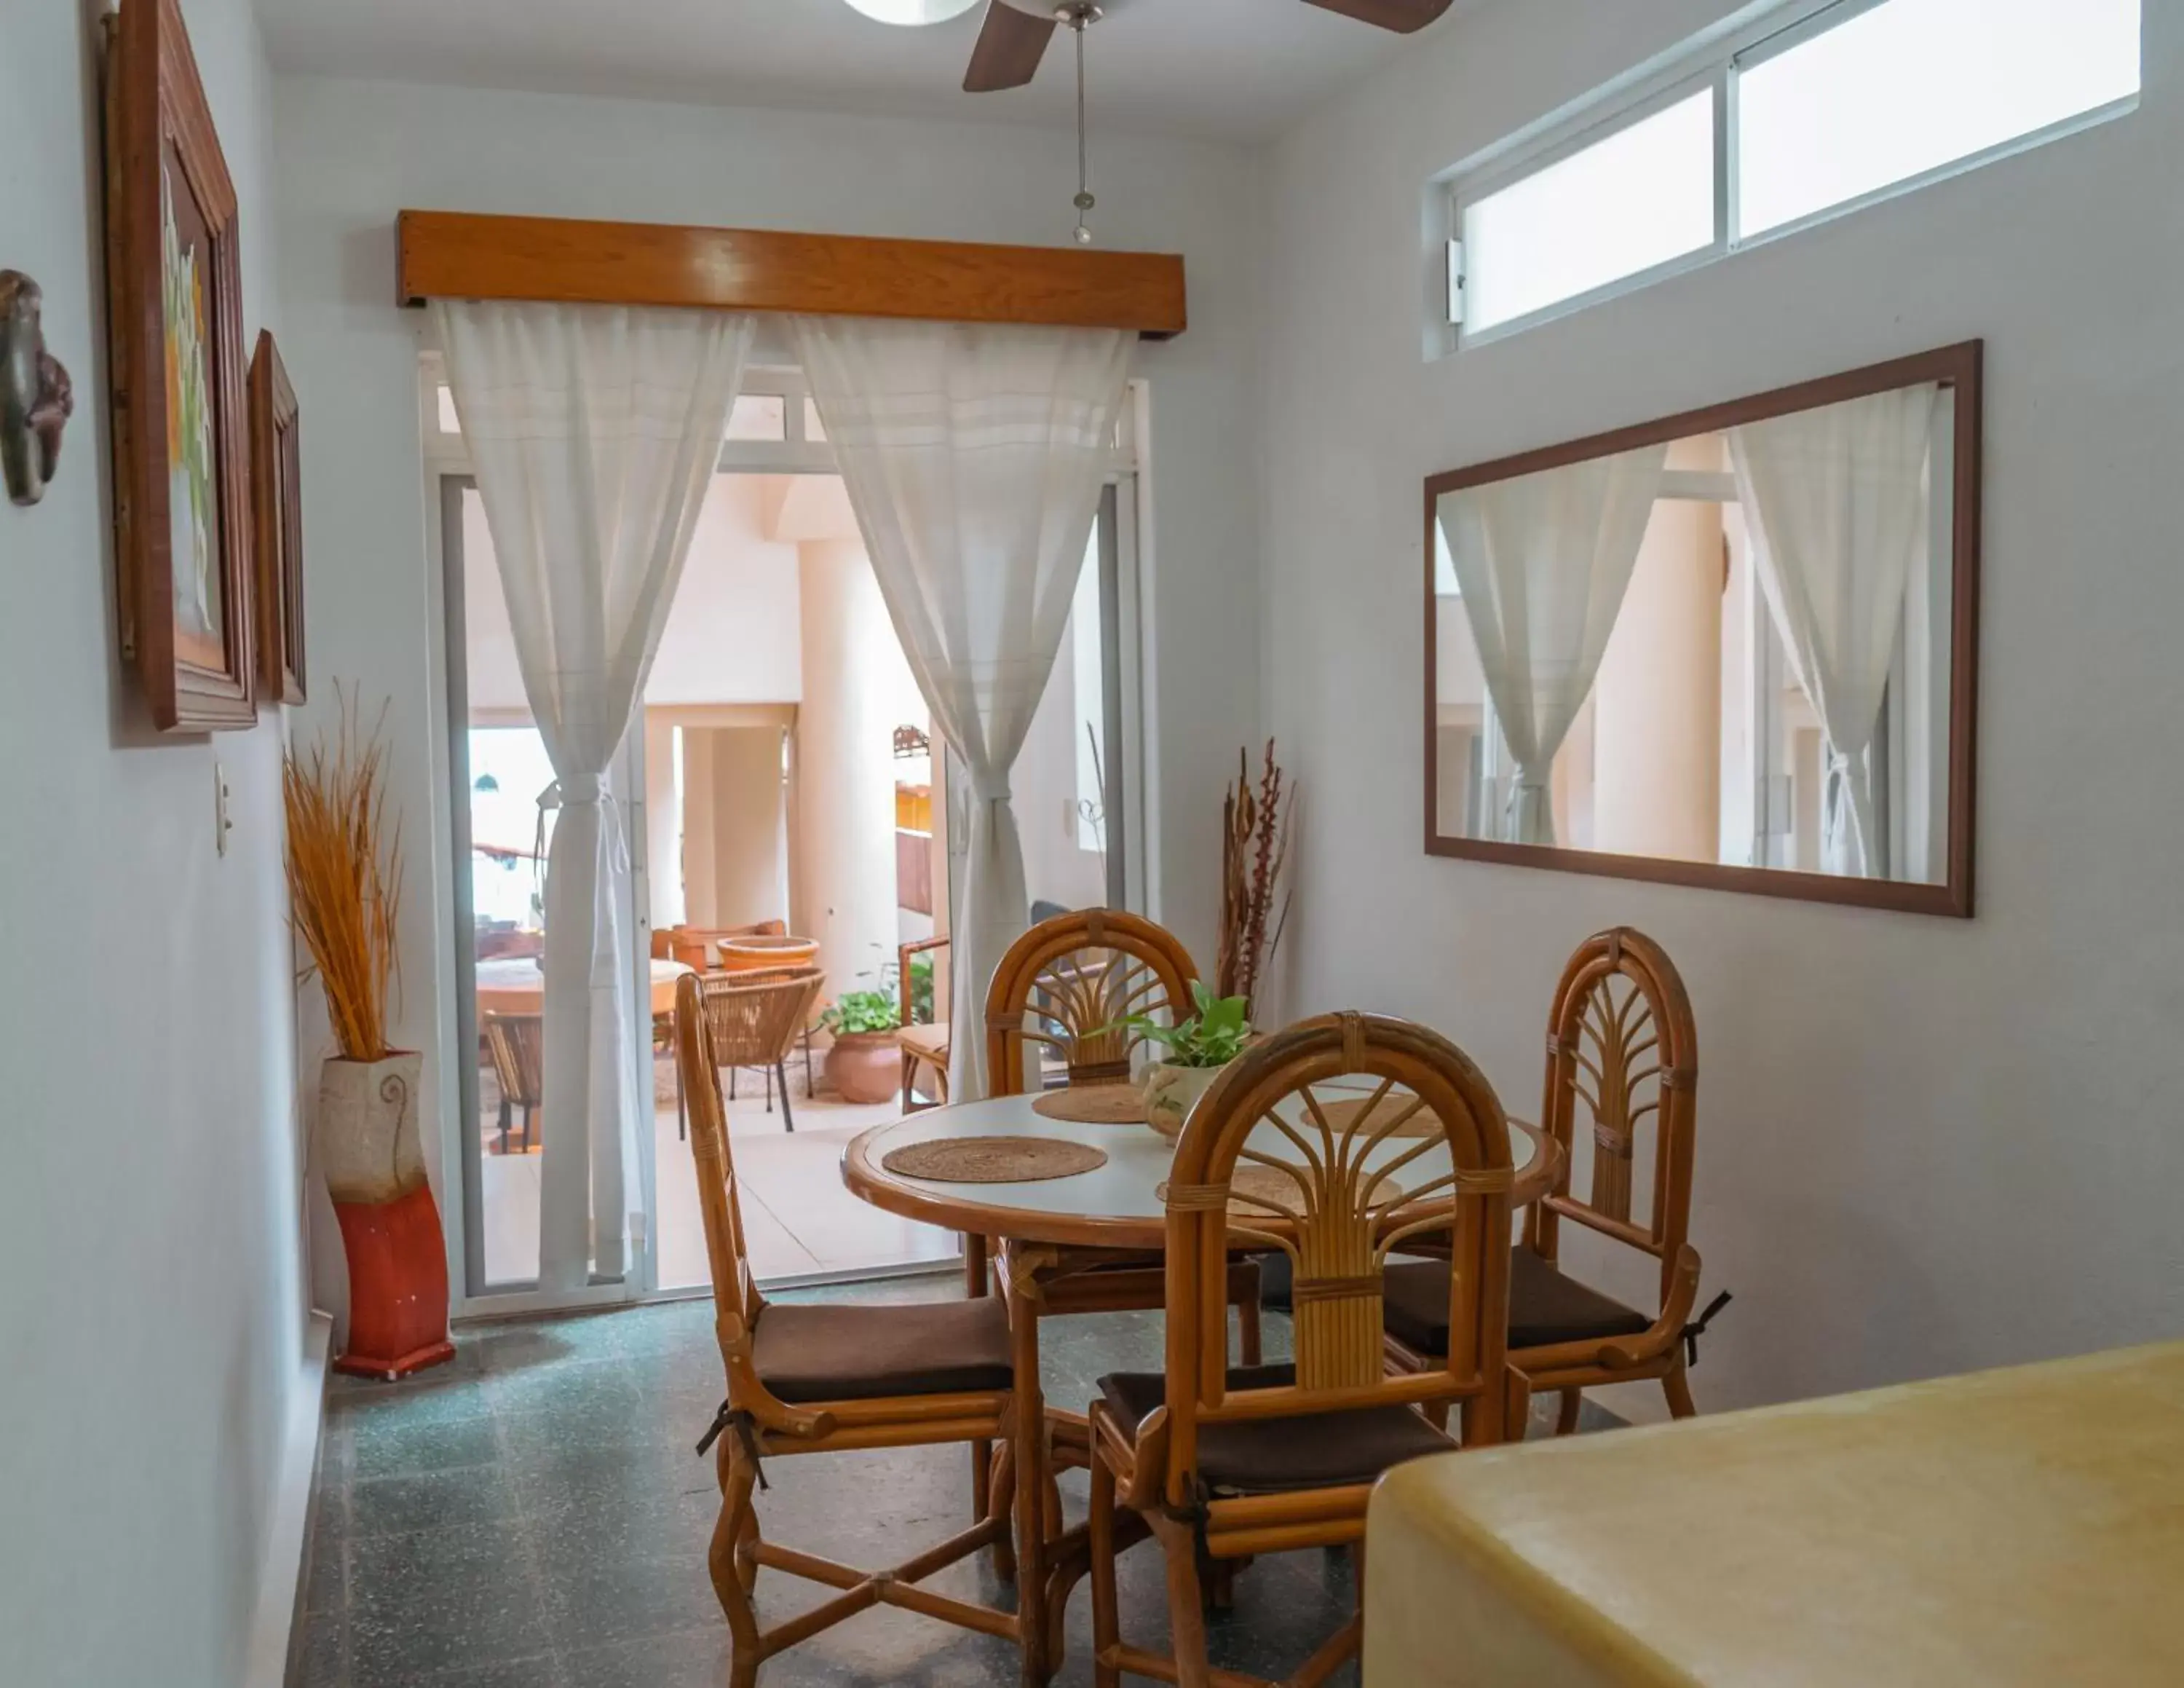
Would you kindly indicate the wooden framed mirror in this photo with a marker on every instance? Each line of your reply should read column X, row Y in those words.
column 1737, row 647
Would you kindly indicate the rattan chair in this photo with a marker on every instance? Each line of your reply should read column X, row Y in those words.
column 517, row 1044
column 924, row 1043
column 1220, row 1465
column 1621, row 1044
column 1064, row 987
column 814, row 1379
column 754, row 1018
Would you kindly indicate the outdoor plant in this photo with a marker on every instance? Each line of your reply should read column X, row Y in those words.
column 1213, row 1036
column 861, row 1011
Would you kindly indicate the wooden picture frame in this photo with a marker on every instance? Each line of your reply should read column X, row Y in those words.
column 183, row 512
column 276, row 485
column 1959, row 368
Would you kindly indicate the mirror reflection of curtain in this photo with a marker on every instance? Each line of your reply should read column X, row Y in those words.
column 1836, row 498
column 1544, row 561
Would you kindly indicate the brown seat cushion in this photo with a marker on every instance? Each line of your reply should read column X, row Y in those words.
column 929, row 1043
column 1545, row 1307
column 1267, row 1455
column 856, row 1353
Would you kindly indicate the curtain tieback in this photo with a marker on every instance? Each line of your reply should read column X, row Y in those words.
column 577, row 791
column 993, row 790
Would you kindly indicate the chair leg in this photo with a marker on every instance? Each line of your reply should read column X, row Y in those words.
column 732, row 1084
column 1248, row 1335
column 737, row 1523
column 1106, row 1631
column 768, row 1072
column 1186, row 1614
column 999, row 1490
column 809, row 1093
column 788, row 1113
column 1028, row 1428
column 1678, row 1388
column 1516, row 1418
column 527, row 1111
column 1565, row 1420
column 506, row 1111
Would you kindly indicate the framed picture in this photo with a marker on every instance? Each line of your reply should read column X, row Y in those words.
column 276, row 483
column 183, row 512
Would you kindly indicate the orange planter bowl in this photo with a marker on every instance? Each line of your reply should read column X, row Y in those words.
column 748, row 955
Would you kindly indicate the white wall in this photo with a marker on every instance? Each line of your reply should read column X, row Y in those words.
column 845, row 882
column 731, row 635
column 353, row 153
column 1925, row 1145
column 151, row 1308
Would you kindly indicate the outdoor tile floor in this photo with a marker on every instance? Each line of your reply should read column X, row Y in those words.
column 533, row 1515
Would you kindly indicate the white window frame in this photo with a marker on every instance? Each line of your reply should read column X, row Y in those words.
column 1715, row 58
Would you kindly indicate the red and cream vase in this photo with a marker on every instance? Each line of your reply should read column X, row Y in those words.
column 367, row 1145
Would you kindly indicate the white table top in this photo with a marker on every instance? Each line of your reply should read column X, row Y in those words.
column 1119, row 1197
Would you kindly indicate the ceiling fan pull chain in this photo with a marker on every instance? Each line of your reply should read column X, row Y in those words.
column 1076, row 16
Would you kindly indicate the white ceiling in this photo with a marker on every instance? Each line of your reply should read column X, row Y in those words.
column 1236, row 70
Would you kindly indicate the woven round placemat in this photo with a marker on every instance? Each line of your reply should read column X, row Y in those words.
column 993, row 1159
column 1263, row 1182
column 1093, row 1104
column 1422, row 1122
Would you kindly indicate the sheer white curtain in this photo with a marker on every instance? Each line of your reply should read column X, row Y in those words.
column 1837, row 500
column 973, row 456
column 1544, row 561
column 594, row 431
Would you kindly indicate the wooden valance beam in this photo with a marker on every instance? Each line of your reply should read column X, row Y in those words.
column 453, row 254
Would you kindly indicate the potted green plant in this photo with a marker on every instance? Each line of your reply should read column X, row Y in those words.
column 863, row 1063
column 1194, row 1053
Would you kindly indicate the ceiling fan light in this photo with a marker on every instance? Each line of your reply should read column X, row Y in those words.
column 913, row 12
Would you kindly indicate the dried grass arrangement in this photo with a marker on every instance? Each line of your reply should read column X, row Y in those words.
column 1254, row 849
column 345, row 878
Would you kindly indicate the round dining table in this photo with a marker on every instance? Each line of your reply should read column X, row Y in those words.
column 516, row 984
column 1117, row 1206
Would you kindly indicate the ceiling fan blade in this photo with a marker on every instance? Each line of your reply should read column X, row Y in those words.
column 1010, row 44
column 1402, row 16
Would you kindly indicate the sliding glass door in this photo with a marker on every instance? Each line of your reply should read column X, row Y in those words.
column 498, row 768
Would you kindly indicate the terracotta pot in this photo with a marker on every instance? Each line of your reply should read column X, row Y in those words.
column 748, row 955
column 366, row 1145
column 865, row 1066
column 1172, row 1092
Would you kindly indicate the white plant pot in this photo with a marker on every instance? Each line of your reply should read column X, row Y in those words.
column 366, row 1139
column 1172, row 1092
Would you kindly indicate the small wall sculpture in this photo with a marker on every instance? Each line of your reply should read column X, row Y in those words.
column 36, row 398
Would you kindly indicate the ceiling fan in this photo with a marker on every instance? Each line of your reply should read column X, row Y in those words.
column 1013, row 38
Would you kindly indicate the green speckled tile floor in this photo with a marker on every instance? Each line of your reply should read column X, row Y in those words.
column 533, row 1515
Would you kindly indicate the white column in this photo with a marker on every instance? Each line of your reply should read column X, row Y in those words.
column 845, row 765
column 1657, row 716
column 663, row 822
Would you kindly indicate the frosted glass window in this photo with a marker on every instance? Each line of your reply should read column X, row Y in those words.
column 1630, row 201
column 758, row 416
column 1914, row 86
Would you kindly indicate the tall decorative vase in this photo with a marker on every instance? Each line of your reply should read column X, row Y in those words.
column 368, row 1147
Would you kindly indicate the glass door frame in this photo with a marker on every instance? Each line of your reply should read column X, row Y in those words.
column 474, row 1293
column 1131, row 883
